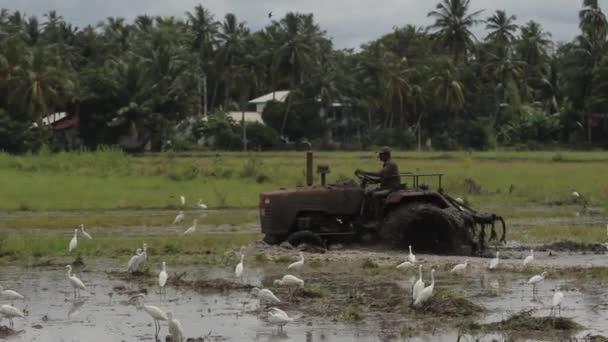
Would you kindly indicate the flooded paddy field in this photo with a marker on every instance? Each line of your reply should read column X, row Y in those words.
column 351, row 293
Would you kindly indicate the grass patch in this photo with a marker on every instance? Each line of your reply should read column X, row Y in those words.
column 524, row 321
column 449, row 304
column 369, row 264
column 353, row 313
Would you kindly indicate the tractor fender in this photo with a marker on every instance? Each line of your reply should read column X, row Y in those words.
column 410, row 196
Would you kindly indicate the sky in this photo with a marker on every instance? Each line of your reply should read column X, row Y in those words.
column 349, row 23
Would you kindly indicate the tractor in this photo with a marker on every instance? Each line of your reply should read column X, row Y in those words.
column 413, row 214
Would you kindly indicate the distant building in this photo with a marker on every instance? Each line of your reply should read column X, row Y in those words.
column 250, row 117
column 260, row 102
column 64, row 129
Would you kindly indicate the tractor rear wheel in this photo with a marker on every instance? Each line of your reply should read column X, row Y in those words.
column 305, row 236
column 427, row 228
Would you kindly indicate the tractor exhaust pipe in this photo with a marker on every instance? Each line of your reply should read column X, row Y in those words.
column 309, row 168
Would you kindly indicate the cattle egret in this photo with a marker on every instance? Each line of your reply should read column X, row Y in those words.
column 10, row 294
column 494, row 262
column 535, row 280
column 140, row 261
column 298, row 264
column 179, row 218
column 76, row 283
column 133, row 260
column 279, row 317
column 558, row 297
column 419, row 285
column 192, row 229
column 404, row 265
column 460, row 267
column 175, row 328
column 427, row 292
column 162, row 277
column 201, row 205
column 529, row 258
column 156, row 313
column 238, row 270
column 459, row 200
column 289, row 280
column 85, row 234
column 265, row 296
column 10, row 312
column 182, row 199
column 411, row 257
column 576, row 194
column 74, row 241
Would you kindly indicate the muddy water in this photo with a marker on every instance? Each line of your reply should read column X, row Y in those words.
column 54, row 314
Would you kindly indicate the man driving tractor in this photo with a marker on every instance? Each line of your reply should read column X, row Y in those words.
column 388, row 178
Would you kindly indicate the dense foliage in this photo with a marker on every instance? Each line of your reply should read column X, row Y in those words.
column 439, row 87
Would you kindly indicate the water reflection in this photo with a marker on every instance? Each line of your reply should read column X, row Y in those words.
column 75, row 308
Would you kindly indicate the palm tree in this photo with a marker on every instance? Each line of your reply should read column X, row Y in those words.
column 592, row 20
column 397, row 86
column 204, row 28
column 453, row 25
column 502, row 31
column 231, row 41
column 447, row 88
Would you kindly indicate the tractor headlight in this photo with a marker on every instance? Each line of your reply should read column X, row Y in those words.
column 267, row 201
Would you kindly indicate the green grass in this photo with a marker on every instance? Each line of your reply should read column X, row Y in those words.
column 111, row 180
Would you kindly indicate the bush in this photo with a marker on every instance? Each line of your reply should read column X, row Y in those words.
column 260, row 136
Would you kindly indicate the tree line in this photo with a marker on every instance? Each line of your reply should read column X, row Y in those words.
column 415, row 87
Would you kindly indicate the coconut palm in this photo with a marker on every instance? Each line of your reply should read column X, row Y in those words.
column 447, row 88
column 453, row 23
column 502, row 29
column 231, row 45
column 593, row 20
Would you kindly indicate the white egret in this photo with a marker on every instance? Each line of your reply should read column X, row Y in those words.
column 529, row 258
column 10, row 312
column 175, row 328
column 494, row 262
column 576, row 194
column 558, row 297
column 238, row 270
column 279, row 317
column 419, row 285
column 74, row 241
column 155, row 312
column 536, row 279
column 76, row 283
column 460, row 267
column 404, row 265
column 298, row 264
column 141, row 259
column 459, row 200
column 179, row 218
column 265, row 296
column 289, row 280
column 85, row 234
column 411, row 257
column 192, row 229
column 182, row 199
column 133, row 260
column 427, row 292
column 162, row 277
column 201, row 205
column 10, row 294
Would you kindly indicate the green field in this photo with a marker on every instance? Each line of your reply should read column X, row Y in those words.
column 111, row 180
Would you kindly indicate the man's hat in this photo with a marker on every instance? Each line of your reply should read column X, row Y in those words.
column 384, row 149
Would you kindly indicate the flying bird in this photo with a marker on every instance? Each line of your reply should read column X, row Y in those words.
column 269, row 15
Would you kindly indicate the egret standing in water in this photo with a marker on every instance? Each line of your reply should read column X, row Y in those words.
column 162, row 278
column 460, row 267
column 179, row 218
column 192, row 229
column 529, row 258
column 411, row 257
column 10, row 294
column 10, row 312
column 265, row 296
column 298, row 264
column 535, row 280
column 175, row 328
column 132, row 262
column 279, row 317
column 238, row 270
column 558, row 297
column 289, row 280
column 419, row 285
column 76, row 283
column 155, row 312
column 494, row 262
column 427, row 292
column 85, row 234
column 74, row 241
column 141, row 259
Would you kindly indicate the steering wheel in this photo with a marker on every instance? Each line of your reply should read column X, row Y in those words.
column 367, row 178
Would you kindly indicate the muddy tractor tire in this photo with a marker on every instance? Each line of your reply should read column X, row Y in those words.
column 427, row 228
column 273, row 239
column 305, row 236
